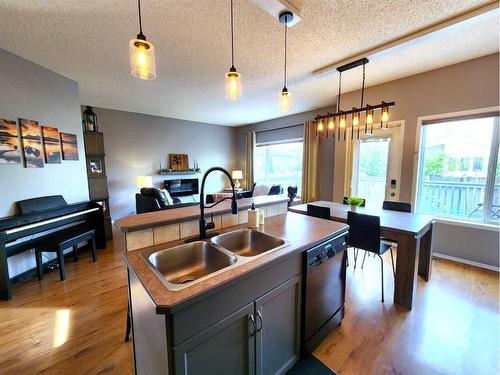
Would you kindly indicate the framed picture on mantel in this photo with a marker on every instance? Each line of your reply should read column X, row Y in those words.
column 178, row 162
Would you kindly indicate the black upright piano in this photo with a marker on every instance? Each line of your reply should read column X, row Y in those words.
column 38, row 219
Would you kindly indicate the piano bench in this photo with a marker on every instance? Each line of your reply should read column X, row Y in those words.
column 60, row 241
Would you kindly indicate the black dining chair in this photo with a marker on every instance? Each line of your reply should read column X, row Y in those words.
column 396, row 206
column 364, row 234
column 318, row 211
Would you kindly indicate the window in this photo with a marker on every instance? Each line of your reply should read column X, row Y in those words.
column 458, row 169
column 279, row 163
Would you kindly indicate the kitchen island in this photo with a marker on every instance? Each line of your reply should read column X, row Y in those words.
column 154, row 228
column 244, row 318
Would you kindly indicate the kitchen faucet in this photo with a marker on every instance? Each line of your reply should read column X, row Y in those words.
column 234, row 205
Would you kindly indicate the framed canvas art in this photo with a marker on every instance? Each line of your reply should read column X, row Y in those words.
column 32, row 143
column 9, row 142
column 178, row 162
column 69, row 146
column 51, row 145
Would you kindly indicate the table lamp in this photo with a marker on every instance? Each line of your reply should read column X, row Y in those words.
column 144, row 181
column 237, row 175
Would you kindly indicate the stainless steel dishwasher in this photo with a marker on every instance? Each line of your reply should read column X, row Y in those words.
column 324, row 289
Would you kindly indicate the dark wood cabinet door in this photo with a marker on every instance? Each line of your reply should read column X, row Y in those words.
column 227, row 347
column 278, row 328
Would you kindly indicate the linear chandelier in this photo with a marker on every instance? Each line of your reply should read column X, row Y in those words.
column 336, row 123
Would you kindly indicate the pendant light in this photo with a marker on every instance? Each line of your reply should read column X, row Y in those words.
column 285, row 97
column 142, row 54
column 356, row 113
column 232, row 78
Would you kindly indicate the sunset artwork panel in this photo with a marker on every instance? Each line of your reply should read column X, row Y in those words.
column 9, row 142
column 51, row 145
column 69, row 146
column 32, row 143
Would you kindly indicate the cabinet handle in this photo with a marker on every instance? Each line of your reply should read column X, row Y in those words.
column 252, row 320
column 259, row 315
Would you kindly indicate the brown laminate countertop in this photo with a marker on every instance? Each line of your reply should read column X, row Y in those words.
column 300, row 231
column 175, row 215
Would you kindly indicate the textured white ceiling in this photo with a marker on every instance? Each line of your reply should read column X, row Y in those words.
column 88, row 42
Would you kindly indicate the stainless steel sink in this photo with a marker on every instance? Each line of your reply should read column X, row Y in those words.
column 248, row 242
column 187, row 263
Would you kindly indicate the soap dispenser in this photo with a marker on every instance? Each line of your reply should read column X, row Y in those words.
column 253, row 217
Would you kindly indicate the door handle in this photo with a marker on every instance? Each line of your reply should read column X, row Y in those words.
column 252, row 320
column 259, row 315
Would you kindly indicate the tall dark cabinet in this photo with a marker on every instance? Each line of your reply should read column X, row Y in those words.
column 96, row 175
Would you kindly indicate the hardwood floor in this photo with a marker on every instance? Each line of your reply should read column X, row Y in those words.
column 72, row 327
column 454, row 328
column 77, row 326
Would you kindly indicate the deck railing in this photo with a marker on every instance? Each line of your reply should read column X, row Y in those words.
column 454, row 198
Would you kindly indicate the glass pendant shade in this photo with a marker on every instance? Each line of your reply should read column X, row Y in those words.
column 342, row 121
column 142, row 59
column 320, row 126
column 331, row 124
column 369, row 117
column 355, row 119
column 285, row 100
column 233, row 84
column 385, row 116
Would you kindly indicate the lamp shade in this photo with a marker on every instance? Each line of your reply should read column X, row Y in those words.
column 237, row 174
column 144, row 181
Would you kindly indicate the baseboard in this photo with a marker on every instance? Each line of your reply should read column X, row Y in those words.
column 465, row 261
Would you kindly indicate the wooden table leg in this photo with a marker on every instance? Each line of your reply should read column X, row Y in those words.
column 405, row 287
column 425, row 259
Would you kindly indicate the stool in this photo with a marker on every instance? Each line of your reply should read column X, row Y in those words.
column 59, row 241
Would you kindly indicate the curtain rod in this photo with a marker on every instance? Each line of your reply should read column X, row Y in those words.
column 280, row 128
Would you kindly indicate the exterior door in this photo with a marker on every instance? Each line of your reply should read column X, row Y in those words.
column 278, row 328
column 376, row 166
column 228, row 344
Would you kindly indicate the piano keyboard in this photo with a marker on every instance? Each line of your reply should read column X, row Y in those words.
column 49, row 221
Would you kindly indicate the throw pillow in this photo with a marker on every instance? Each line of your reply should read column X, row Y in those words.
column 168, row 198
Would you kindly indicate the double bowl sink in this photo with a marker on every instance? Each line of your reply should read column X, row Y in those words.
column 183, row 265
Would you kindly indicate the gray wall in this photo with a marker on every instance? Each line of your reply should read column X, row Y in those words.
column 33, row 92
column 468, row 85
column 135, row 143
column 326, row 146
column 468, row 243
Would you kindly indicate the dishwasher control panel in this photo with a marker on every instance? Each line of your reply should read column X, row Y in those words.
column 328, row 249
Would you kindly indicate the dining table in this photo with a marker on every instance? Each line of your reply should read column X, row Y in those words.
column 411, row 231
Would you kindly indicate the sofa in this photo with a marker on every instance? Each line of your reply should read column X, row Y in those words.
column 153, row 199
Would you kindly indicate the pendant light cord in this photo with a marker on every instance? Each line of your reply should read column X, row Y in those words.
column 286, row 27
column 363, row 86
column 140, row 18
column 340, row 90
column 232, row 36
